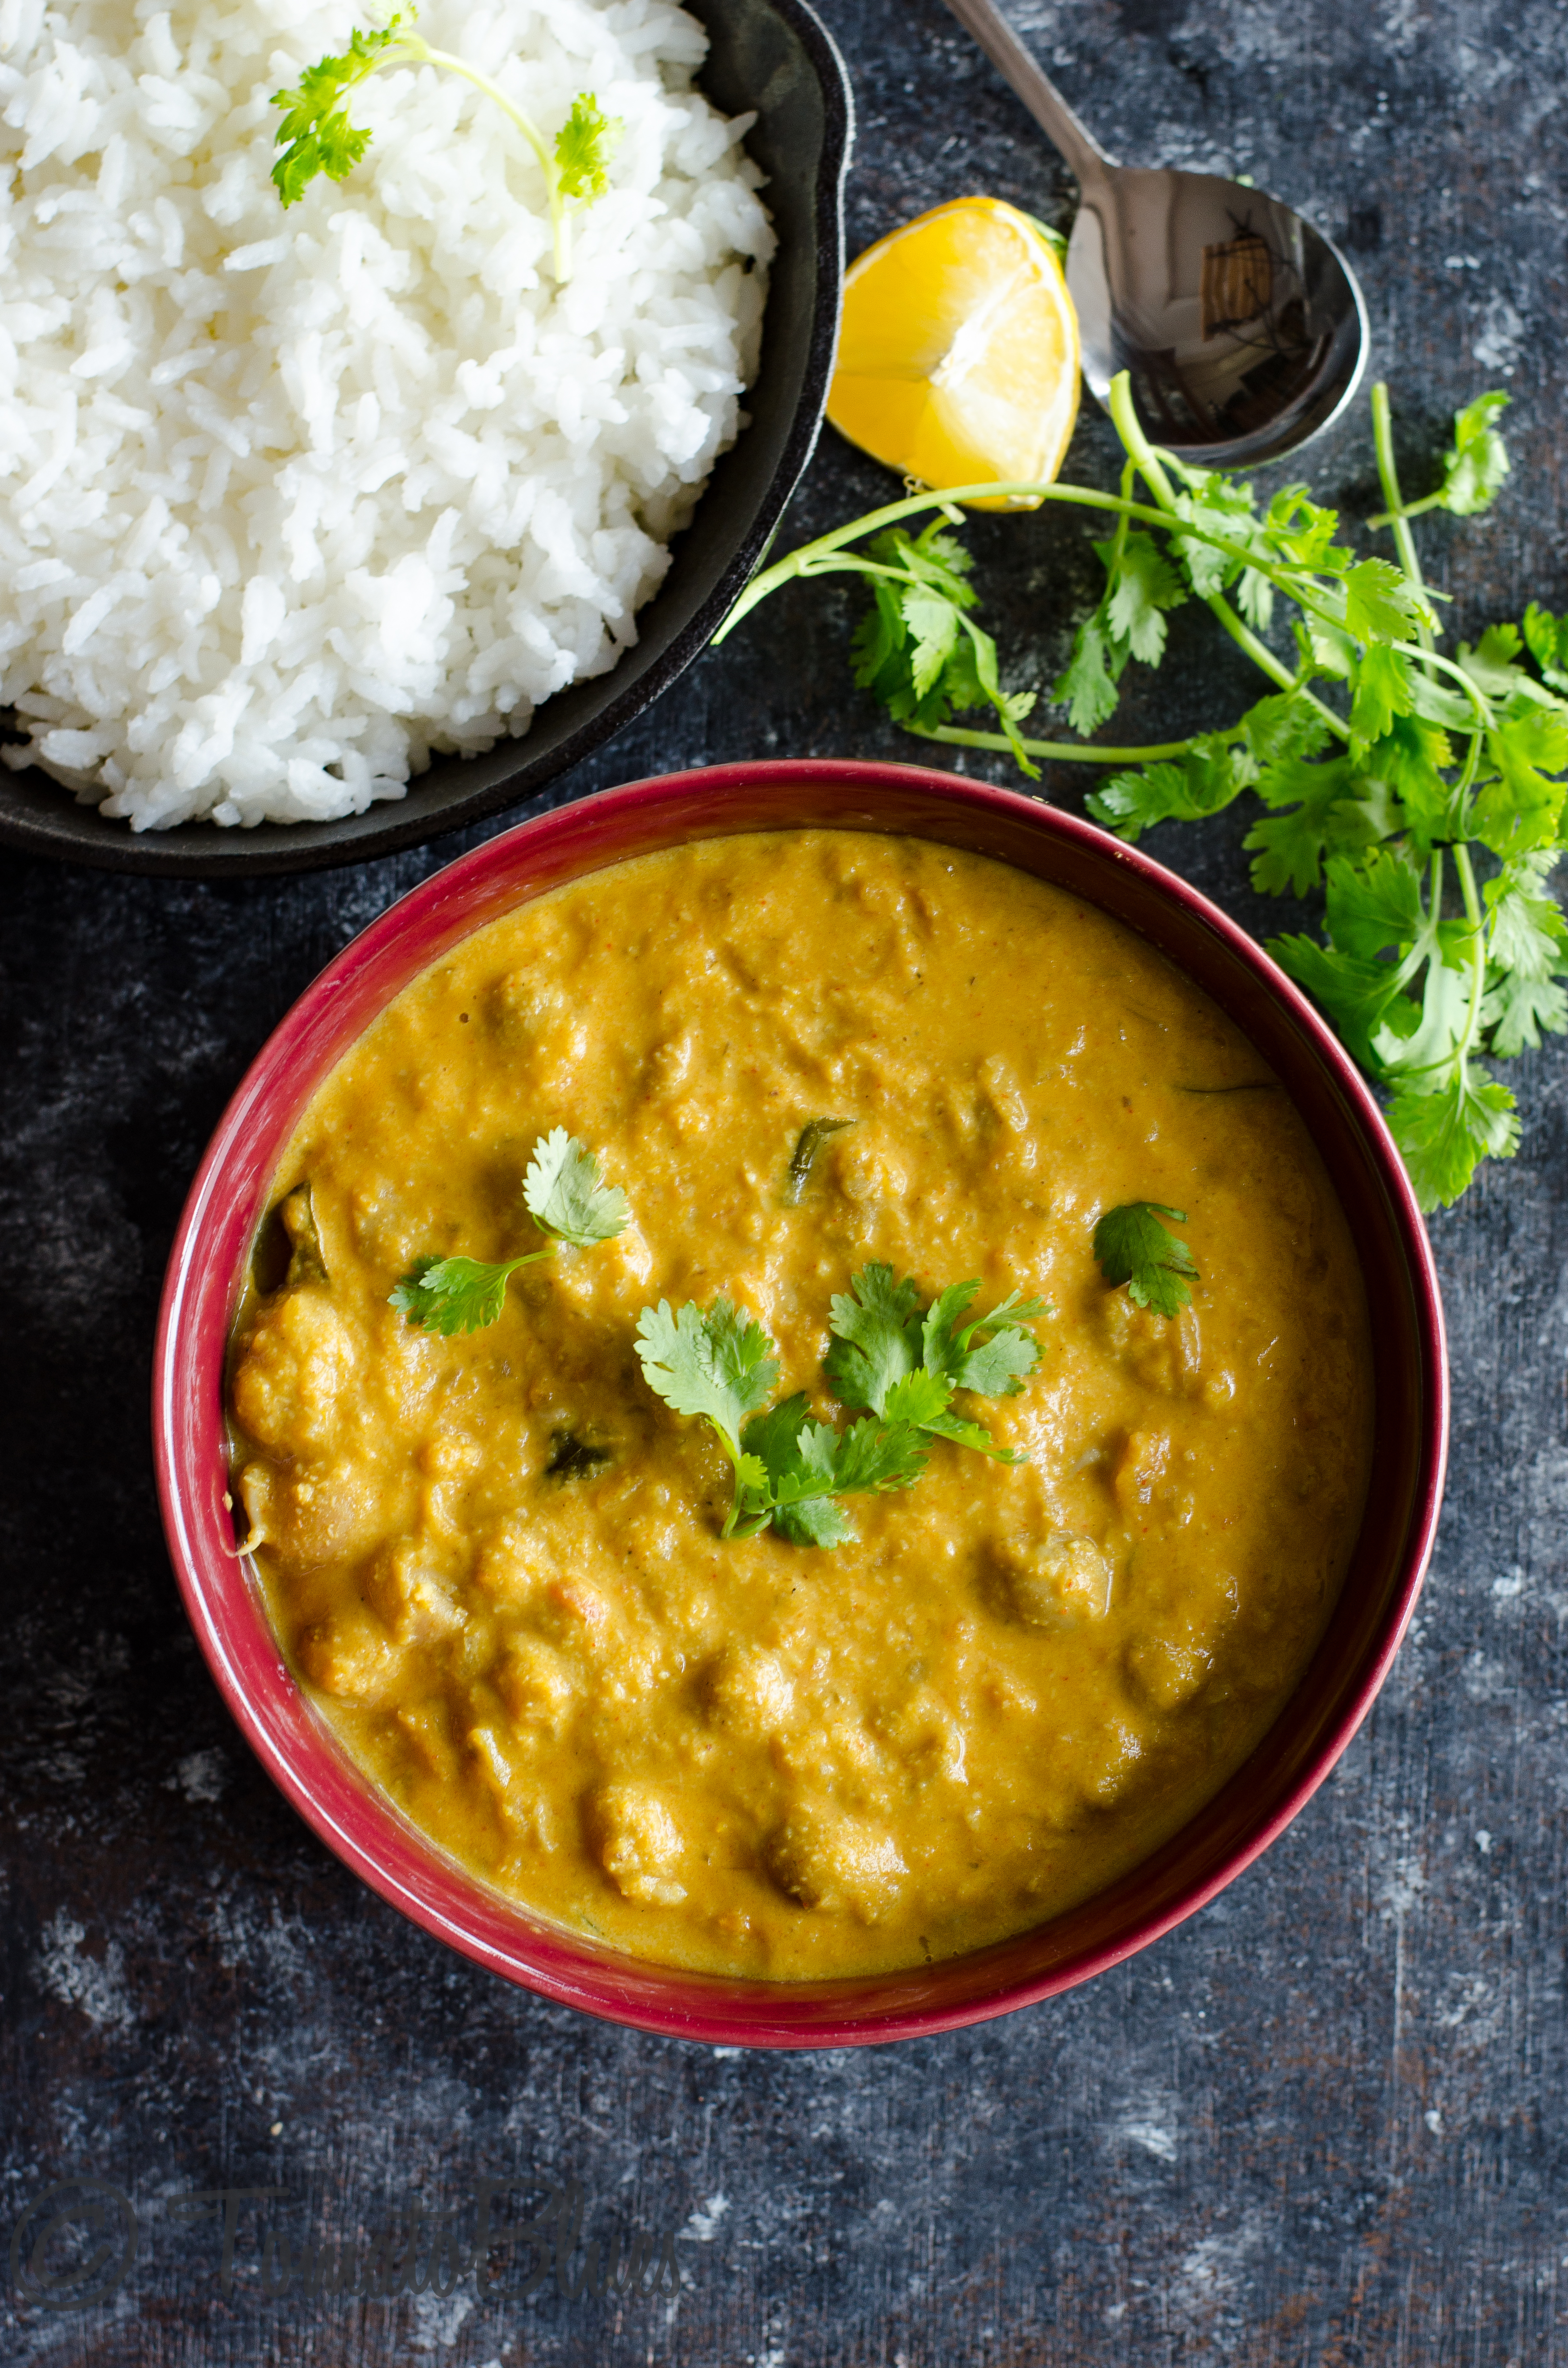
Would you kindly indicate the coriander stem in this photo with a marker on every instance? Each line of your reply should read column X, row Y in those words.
column 820, row 558
column 1477, row 697
column 1478, row 956
column 1398, row 515
column 1408, row 509
column 817, row 558
column 416, row 48
column 1062, row 752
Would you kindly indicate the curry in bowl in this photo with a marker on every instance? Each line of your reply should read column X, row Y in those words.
column 709, row 1452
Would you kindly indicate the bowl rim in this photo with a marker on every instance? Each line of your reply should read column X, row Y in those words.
column 224, row 1604
column 38, row 817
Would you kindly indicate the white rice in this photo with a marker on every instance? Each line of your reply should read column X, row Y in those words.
column 289, row 501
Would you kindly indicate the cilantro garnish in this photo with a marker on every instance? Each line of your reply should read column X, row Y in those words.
column 584, row 146
column 790, row 1471
column 316, row 135
column 1422, row 795
column 562, row 1194
column 904, row 1361
column 1134, row 1249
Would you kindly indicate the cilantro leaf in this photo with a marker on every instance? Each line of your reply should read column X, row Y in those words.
column 1302, row 530
column 876, row 1336
column 1518, row 810
column 1282, row 728
column 810, row 1465
column 564, row 1195
column 903, row 1361
column 584, row 146
column 1356, row 994
column 455, row 1295
column 1527, row 952
column 1493, row 665
column 920, row 1398
column 1086, row 686
column 1372, row 910
column 933, row 628
column 1142, row 585
column 315, row 135
column 1477, row 462
column 1382, row 691
column 1220, row 506
column 1212, row 773
column 718, row 1366
column 1546, row 637
column 873, row 1457
column 994, row 1366
column 1133, row 1247
column 1379, row 602
column 1444, row 1135
column 1332, row 810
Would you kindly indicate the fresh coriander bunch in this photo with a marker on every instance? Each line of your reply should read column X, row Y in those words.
column 1420, row 794
column 316, row 135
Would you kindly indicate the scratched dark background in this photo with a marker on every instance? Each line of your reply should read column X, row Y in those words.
column 1323, row 2121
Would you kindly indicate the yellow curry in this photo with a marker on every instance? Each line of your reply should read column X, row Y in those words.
column 496, row 1559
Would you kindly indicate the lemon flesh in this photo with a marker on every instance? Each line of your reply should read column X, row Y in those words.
column 958, row 355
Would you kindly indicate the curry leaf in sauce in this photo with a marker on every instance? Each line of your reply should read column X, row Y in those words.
column 803, row 1158
column 903, row 1362
column 1134, row 1249
column 572, row 1458
column 566, row 1199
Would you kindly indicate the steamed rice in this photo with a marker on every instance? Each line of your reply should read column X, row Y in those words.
column 287, row 502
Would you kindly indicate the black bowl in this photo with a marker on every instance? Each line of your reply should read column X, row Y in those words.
column 770, row 55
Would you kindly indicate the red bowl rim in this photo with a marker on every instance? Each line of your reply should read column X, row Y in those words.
column 225, row 1611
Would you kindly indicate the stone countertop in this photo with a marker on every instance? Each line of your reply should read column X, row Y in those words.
column 1320, row 2123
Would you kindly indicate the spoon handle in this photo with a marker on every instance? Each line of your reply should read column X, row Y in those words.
column 985, row 21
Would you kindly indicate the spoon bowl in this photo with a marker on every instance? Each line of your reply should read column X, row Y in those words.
column 1240, row 325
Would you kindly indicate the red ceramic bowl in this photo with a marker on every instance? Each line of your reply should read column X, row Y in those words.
column 229, row 1196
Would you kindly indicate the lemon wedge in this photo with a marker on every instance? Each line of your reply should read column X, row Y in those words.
column 958, row 355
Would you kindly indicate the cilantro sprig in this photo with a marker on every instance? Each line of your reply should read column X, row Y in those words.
column 566, row 1199
column 904, row 1359
column 317, row 137
column 721, row 1367
column 1134, row 1249
column 1421, row 795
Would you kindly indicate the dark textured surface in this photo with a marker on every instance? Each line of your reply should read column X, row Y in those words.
column 1323, row 2121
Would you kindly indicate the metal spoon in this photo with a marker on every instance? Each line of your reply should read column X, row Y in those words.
column 1242, row 327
